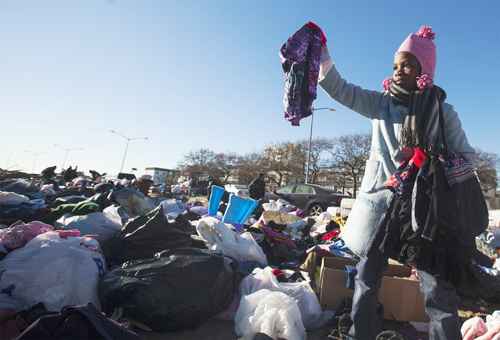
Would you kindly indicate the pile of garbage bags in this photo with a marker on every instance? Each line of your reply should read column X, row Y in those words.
column 112, row 259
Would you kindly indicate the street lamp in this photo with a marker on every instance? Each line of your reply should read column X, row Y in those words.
column 128, row 140
column 66, row 153
column 310, row 139
column 35, row 158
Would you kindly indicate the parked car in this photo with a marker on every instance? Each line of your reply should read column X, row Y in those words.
column 311, row 198
column 237, row 189
column 200, row 188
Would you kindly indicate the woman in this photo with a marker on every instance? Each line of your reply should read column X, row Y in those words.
column 394, row 132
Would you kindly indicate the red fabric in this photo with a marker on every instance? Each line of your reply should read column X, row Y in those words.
column 331, row 235
column 313, row 26
column 419, row 157
column 68, row 233
column 278, row 272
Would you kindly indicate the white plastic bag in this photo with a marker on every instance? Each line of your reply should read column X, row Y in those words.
column 493, row 319
column 104, row 226
column 173, row 208
column 116, row 214
column 221, row 239
column 320, row 226
column 307, row 301
column 279, row 205
column 272, row 313
column 333, row 211
column 54, row 271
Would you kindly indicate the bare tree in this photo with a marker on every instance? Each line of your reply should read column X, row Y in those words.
column 349, row 154
column 223, row 165
column 340, row 182
column 248, row 167
column 199, row 161
column 205, row 161
column 319, row 147
column 284, row 162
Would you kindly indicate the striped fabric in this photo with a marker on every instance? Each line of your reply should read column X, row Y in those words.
column 457, row 169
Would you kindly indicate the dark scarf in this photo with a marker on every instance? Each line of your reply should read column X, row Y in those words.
column 399, row 95
column 421, row 125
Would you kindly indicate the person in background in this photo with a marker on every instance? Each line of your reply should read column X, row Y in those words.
column 211, row 182
column 144, row 183
column 257, row 188
column 257, row 191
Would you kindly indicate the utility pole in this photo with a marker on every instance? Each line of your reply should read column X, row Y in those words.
column 66, row 153
column 127, row 142
column 310, row 139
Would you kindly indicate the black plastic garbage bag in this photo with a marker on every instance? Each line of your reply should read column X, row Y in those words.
column 103, row 199
column 76, row 323
column 177, row 289
column 145, row 236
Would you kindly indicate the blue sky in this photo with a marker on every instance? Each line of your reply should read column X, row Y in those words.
column 193, row 74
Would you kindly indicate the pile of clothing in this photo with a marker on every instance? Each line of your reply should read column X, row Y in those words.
column 112, row 258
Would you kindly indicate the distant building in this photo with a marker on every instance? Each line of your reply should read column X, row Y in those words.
column 162, row 175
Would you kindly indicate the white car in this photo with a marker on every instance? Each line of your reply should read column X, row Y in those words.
column 237, row 189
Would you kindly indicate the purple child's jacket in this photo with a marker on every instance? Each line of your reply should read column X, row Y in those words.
column 300, row 57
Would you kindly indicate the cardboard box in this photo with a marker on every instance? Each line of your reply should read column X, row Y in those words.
column 399, row 294
column 402, row 299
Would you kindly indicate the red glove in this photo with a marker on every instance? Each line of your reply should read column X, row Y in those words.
column 313, row 26
column 418, row 158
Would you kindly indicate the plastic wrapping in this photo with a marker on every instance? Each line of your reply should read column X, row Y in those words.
column 272, row 313
column 221, row 239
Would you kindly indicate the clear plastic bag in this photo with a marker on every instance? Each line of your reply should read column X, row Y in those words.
column 321, row 223
column 220, row 238
column 52, row 270
column 263, row 279
column 103, row 225
column 272, row 313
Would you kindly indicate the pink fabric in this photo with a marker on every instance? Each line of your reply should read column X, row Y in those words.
column 473, row 328
column 18, row 235
column 386, row 84
column 421, row 45
column 424, row 81
column 68, row 233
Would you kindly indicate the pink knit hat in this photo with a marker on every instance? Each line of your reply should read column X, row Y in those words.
column 421, row 45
